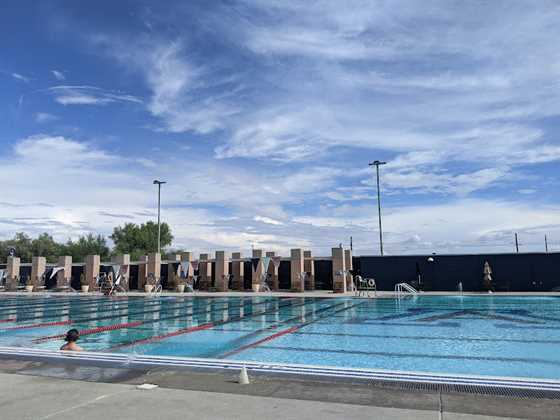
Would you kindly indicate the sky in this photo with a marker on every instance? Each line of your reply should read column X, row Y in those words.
column 262, row 116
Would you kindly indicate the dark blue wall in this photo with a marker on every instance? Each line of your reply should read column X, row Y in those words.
column 510, row 272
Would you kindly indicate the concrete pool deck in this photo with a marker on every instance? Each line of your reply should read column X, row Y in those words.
column 45, row 390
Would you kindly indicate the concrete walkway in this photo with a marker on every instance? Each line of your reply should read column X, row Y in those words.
column 41, row 398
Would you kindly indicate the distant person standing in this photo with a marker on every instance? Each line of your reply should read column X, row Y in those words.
column 71, row 337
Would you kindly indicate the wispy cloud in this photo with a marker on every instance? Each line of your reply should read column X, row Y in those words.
column 21, row 77
column 89, row 95
column 58, row 75
column 184, row 96
column 44, row 117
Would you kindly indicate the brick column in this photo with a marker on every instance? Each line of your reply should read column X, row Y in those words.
column 38, row 267
column 64, row 276
column 12, row 268
column 238, row 271
column 92, row 270
column 204, row 272
column 222, row 271
column 296, row 268
column 273, row 271
column 154, row 265
column 338, row 266
column 142, row 271
column 124, row 261
column 172, row 279
column 256, row 274
column 309, row 268
column 349, row 266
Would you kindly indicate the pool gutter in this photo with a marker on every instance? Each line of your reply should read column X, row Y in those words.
column 132, row 361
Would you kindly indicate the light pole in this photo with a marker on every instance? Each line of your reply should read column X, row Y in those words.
column 159, row 184
column 377, row 163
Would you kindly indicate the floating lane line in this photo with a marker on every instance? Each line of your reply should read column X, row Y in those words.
column 124, row 325
column 98, row 304
column 103, row 309
column 42, row 325
column 91, row 331
column 201, row 327
column 58, row 302
column 165, row 310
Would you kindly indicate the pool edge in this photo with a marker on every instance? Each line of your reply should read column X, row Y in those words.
column 121, row 360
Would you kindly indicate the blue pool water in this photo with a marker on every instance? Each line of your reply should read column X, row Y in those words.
column 479, row 335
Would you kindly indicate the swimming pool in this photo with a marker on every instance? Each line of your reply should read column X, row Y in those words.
column 513, row 336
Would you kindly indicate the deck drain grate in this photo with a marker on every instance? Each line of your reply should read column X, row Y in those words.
column 470, row 389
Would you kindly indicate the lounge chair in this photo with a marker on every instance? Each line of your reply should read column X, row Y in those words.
column 264, row 283
column 119, row 282
column 157, row 289
column 3, row 278
column 42, row 283
column 103, row 283
column 185, row 272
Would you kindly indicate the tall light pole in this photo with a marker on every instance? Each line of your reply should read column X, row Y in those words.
column 377, row 163
column 159, row 184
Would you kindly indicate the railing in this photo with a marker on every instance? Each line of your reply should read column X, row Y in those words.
column 403, row 288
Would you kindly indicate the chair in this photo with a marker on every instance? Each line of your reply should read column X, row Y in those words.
column 42, row 282
column 184, row 271
column 103, row 283
column 157, row 289
column 264, row 283
column 364, row 286
column 119, row 283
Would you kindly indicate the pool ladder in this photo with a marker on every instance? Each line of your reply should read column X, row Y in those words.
column 404, row 288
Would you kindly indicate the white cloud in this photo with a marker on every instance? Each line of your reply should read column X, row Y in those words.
column 88, row 95
column 44, row 117
column 58, row 75
column 20, row 77
column 267, row 220
column 183, row 93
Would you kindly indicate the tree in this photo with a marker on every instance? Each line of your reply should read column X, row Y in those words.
column 22, row 245
column 45, row 246
column 86, row 245
column 138, row 240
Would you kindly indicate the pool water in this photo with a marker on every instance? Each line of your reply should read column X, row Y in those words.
column 516, row 336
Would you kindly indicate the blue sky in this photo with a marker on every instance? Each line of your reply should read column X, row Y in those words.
column 263, row 116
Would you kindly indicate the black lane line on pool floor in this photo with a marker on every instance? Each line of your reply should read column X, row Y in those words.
column 256, row 332
column 143, row 322
column 416, row 355
column 206, row 326
column 412, row 337
column 286, row 331
column 477, row 313
column 358, row 321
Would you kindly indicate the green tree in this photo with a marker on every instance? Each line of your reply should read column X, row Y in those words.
column 45, row 246
column 138, row 240
column 22, row 244
column 86, row 245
